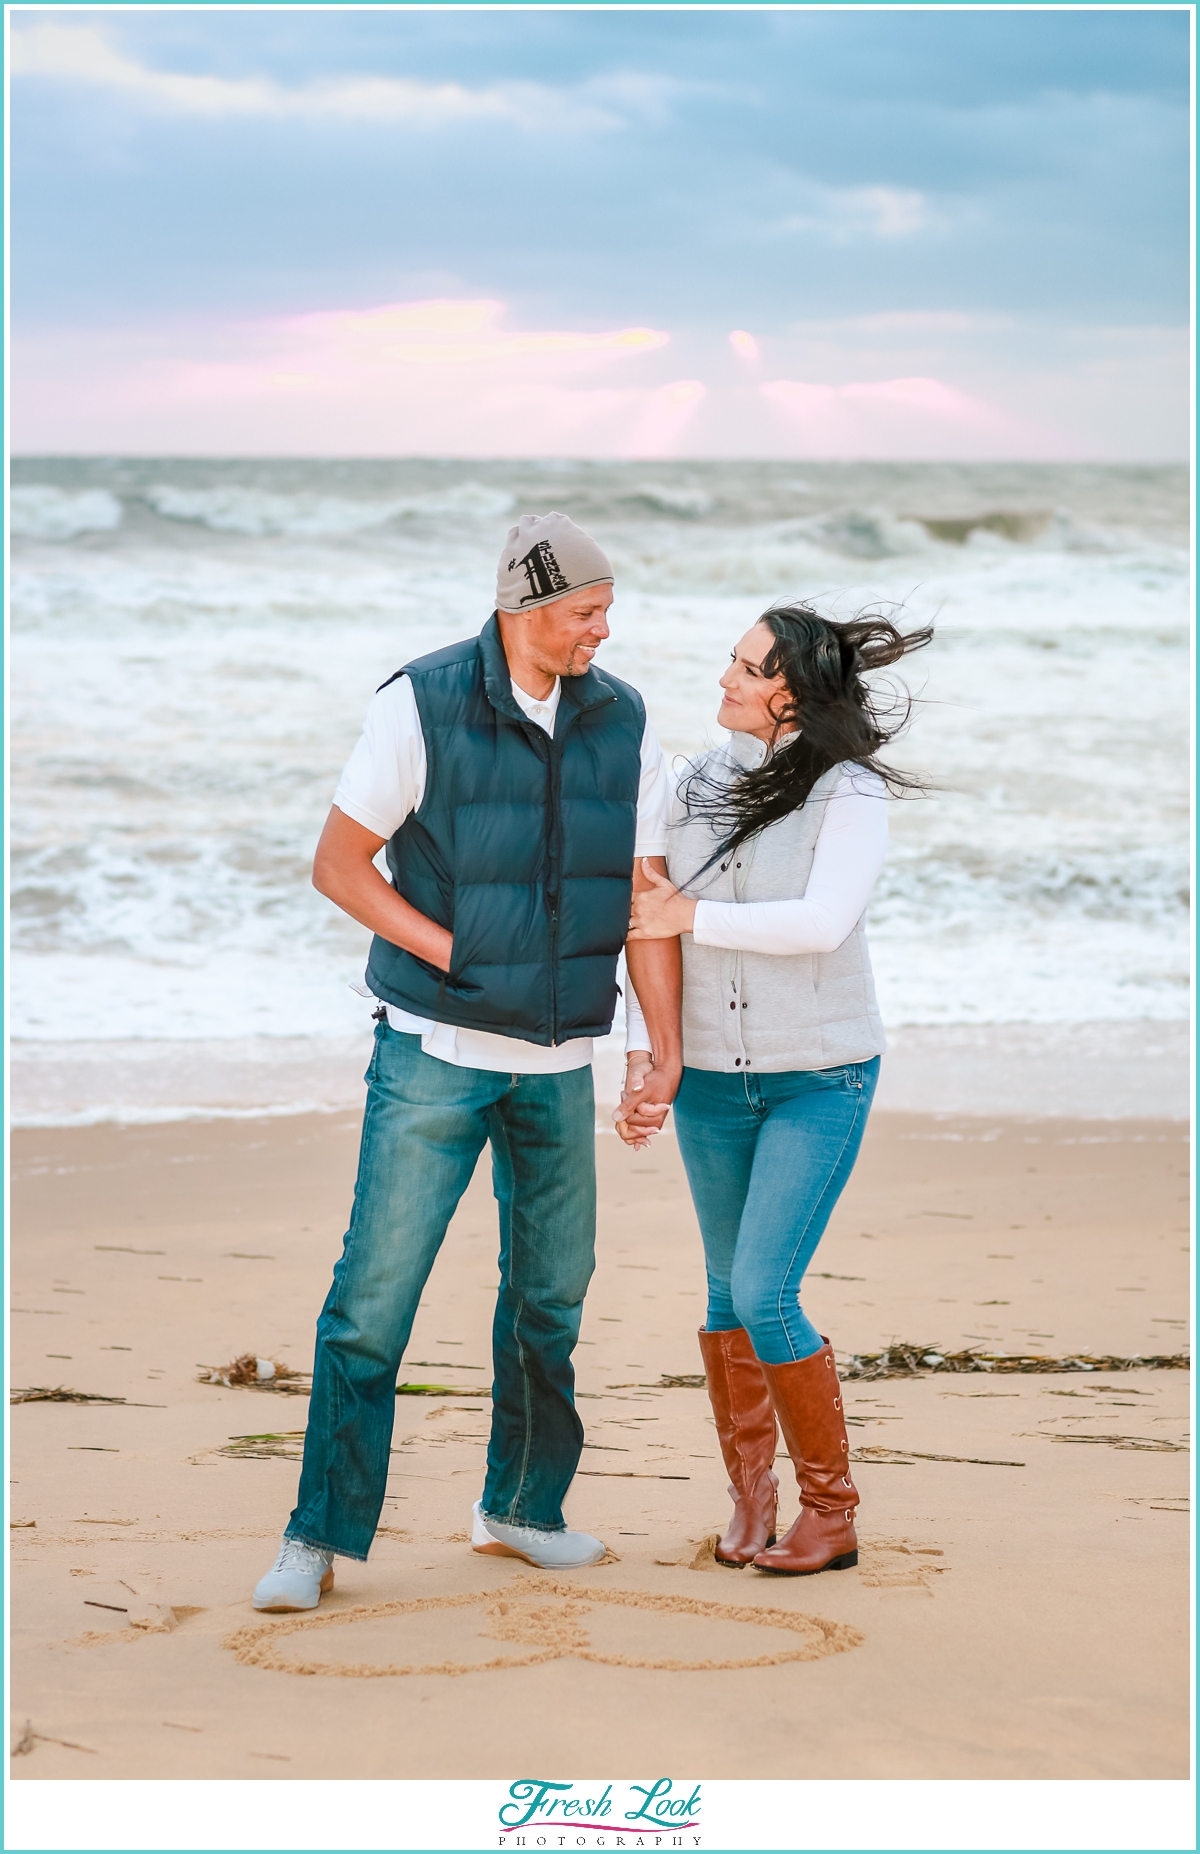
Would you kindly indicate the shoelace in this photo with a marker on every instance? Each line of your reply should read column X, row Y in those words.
column 294, row 1554
column 531, row 1532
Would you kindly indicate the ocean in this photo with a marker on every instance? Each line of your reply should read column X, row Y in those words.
column 194, row 644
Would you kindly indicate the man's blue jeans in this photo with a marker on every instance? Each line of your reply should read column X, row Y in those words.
column 426, row 1122
column 767, row 1157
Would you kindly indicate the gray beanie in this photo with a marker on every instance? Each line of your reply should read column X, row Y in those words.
column 544, row 558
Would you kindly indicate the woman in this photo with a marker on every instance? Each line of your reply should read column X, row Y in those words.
column 775, row 844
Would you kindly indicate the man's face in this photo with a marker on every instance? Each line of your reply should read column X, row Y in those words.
column 562, row 638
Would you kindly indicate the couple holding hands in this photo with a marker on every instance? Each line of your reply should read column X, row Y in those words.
column 532, row 831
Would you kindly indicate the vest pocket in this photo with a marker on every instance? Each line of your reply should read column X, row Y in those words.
column 496, row 925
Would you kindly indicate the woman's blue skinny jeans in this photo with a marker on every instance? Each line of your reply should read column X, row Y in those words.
column 767, row 1157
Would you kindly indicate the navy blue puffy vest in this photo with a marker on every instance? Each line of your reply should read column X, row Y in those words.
column 522, row 846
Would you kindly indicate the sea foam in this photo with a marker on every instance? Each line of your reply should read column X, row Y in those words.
column 41, row 512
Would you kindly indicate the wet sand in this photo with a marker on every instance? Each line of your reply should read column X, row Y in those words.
column 1020, row 1609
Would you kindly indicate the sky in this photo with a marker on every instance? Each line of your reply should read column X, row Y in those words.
column 955, row 233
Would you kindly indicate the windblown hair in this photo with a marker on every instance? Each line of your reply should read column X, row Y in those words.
column 823, row 662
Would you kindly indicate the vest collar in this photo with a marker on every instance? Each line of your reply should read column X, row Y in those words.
column 748, row 752
column 587, row 691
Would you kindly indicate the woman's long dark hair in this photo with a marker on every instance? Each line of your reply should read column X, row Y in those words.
column 822, row 661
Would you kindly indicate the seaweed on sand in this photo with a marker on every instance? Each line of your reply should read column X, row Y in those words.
column 903, row 1360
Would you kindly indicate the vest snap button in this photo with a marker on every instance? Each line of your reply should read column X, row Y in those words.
column 733, row 1004
column 737, row 1062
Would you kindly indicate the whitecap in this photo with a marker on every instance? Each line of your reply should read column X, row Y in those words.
column 40, row 512
column 865, row 534
column 676, row 500
column 237, row 508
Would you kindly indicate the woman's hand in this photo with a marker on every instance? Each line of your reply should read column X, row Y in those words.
column 659, row 912
column 645, row 1099
column 638, row 1064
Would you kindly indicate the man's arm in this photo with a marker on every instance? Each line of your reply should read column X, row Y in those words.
column 656, row 974
column 344, row 870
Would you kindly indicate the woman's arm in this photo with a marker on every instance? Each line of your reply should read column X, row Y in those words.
column 847, row 860
column 848, row 857
column 638, row 1040
column 639, row 1061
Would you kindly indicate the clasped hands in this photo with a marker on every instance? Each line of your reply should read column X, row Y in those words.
column 645, row 1099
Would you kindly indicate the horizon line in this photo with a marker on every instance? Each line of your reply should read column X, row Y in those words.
column 958, row 463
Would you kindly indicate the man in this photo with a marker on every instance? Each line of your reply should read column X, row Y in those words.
column 513, row 786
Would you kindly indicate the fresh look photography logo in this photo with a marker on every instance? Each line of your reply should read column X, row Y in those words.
column 537, row 1813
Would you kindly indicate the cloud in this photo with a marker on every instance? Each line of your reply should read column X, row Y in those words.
column 663, row 419
column 449, row 331
column 82, row 55
column 325, row 386
column 442, row 376
column 927, row 395
column 914, row 322
column 911, row 417
column 844, row 213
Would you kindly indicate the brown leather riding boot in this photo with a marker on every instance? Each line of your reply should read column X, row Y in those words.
column 808, row 1402
column 746, row 1431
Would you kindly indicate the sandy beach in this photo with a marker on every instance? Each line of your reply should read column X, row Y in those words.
column 1020, row 1607
column 195, row 646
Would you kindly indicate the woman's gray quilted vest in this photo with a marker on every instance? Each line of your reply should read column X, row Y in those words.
column 764, row 1011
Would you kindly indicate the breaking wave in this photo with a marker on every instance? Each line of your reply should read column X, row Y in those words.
column 42, row 512
column 236, row 508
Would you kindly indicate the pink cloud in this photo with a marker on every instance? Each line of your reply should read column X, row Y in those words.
column 450, row 332
column 916, row 417
column 451, row 377
column 405, row 377
column 664, row 417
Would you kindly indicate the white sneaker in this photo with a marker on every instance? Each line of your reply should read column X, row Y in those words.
column 298, row 1579
column 549, row 1551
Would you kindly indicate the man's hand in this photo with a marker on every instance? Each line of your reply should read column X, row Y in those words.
column 645, row 1100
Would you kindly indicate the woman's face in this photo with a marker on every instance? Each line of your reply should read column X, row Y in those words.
column 753, row 703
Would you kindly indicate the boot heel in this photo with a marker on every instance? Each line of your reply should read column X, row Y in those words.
column 846, row 1562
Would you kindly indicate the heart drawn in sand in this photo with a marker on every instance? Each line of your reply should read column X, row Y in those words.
column 550, row 1630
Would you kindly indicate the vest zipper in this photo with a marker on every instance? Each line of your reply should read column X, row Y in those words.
column 554, row 776
column 555, row 743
